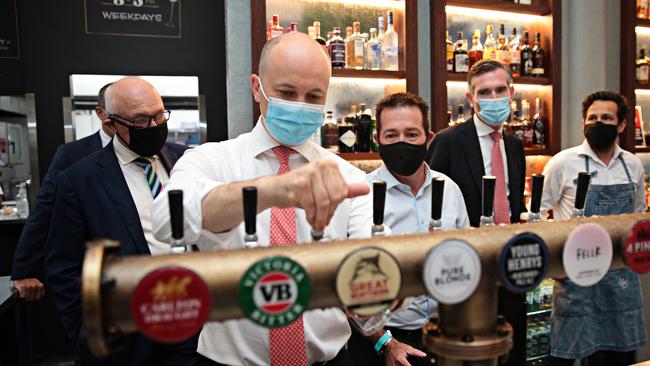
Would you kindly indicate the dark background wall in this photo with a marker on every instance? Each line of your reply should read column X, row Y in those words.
column 54, row 45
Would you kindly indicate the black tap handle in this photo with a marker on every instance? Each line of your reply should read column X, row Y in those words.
column 536, row 195
column 175, row 197
column 437, row 188
column 250, row 209
column 379, row 201
column 581, row 191
column 489, row 184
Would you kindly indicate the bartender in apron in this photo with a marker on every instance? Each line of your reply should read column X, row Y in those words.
column 604, row 322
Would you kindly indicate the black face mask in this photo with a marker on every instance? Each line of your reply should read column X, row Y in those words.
column 403, row 158
column 147, row 141
column 600, row 136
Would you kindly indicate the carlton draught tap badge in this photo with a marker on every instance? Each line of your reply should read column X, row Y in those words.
column 274, row 292
column 637, row 247
column 452, row 271
column 170, row 304
column 368, row 280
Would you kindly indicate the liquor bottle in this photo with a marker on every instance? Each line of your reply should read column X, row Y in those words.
column 391, row 46
column 337, row 50
column 539, row 125
column 460, row 118
column 311, row 32
column 356, row 39
column 642, row 68
column 475, row 54
column 269, row 25
column 527, row 126
column 450, row 117
column 347, row 137
column 450, row 53
column 642, row 9
column 349, row 45
column 490, row 45
column 538, row 57
column 515, row 54
column 461, row 60
column 516, row 127
column 373, row 51
column 276, row 30
column 503, row 48
column 321, row 41
column 374, row 147
column 526, row 57
column 330, row 132
column 638, row 130
column 380, row 36
column 329, row 38
column 293, row 27
column 364, row 129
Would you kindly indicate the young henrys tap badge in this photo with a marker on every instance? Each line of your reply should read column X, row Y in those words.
column 274, row 292
column 523, row 262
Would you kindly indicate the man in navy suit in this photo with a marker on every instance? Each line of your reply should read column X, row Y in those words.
column 470, row 147
column 28, row 264
column 109, row 195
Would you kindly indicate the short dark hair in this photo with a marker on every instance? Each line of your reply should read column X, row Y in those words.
column 485, row 66
column 607, row 95
column 101, row 99
column 403, row 100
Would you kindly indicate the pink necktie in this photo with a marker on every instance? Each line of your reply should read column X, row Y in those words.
column 501, row 203
column 287, row 344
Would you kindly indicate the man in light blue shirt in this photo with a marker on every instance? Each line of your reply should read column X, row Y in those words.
column 404, row 137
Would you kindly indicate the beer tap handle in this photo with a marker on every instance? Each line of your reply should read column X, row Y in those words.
column 378, row 204
column 536, row 195
column 175, row 197
column 249, row 195
column 581, row 191
column 437, row 189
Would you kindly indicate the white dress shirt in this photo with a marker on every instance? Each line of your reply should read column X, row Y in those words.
column 139, row 188
column 249, row 156
column 104, row 138
column 563, row 168
column 485, row 141
column 407, row 214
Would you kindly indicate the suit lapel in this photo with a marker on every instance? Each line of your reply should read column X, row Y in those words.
column 111, row 177
column 93, row 144
column 472, row 151
column 167, row 158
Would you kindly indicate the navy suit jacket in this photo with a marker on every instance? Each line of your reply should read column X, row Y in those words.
column 30, row 250
column 93, row 202
column 456, row 152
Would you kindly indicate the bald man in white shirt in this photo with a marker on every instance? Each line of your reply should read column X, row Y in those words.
column 323, row 191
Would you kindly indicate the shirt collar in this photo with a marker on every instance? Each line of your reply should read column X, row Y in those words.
column 585, row 150
column 103, row 137
column 482, row 129
column 388, row 177
column 124, row 154
column 262, row 141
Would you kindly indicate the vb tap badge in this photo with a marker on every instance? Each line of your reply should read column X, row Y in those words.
column 170, row 304
column 636, row 248
column 523, row 262
column 368, row 280
column 274, row 292
column 452, row 271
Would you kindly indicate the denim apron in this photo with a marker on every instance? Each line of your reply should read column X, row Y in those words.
column 609, row 314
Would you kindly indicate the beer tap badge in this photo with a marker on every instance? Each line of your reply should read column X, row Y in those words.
column 452, row 271
column 587, row 254
column 274, row 292
column 636, row 248
column 368, row 280
column 523, row 262
column 171, row 304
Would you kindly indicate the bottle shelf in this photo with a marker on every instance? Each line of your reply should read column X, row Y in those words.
column 359, row 156
column 373, row 74
column 537, row 8
column 543, row 311
column 537, row 151
column 642, row 149
column 536, row 358
column 642, row 22
column 528, row 80
column 642, row 86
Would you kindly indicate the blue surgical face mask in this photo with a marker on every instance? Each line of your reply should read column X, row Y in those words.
column 291, row 123
column 494, row 111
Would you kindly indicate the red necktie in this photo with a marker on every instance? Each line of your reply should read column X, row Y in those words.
column 287, row 344
column 501, row 203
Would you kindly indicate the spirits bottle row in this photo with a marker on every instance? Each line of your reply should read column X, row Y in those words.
column 642, row 67
column 350, row 133
column 642, row 9
column 538, row 336
column 511, row 50
column 540, row 298
column 376, row 50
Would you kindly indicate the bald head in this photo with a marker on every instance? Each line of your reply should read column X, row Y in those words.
column 131, row 96
column 295, row 46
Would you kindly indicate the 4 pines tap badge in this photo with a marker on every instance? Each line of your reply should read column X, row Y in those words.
column 274, row 292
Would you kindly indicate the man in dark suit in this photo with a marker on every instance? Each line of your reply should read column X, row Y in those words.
column 108, row 195
column 28, row 267
column 480, row 146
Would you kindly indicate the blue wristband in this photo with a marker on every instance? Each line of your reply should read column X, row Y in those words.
column 382, row 341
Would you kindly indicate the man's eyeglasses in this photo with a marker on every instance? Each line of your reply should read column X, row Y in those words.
column 142, row 122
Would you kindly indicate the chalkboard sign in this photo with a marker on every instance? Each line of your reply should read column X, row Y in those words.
column 9, row 42
column 143, row 18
